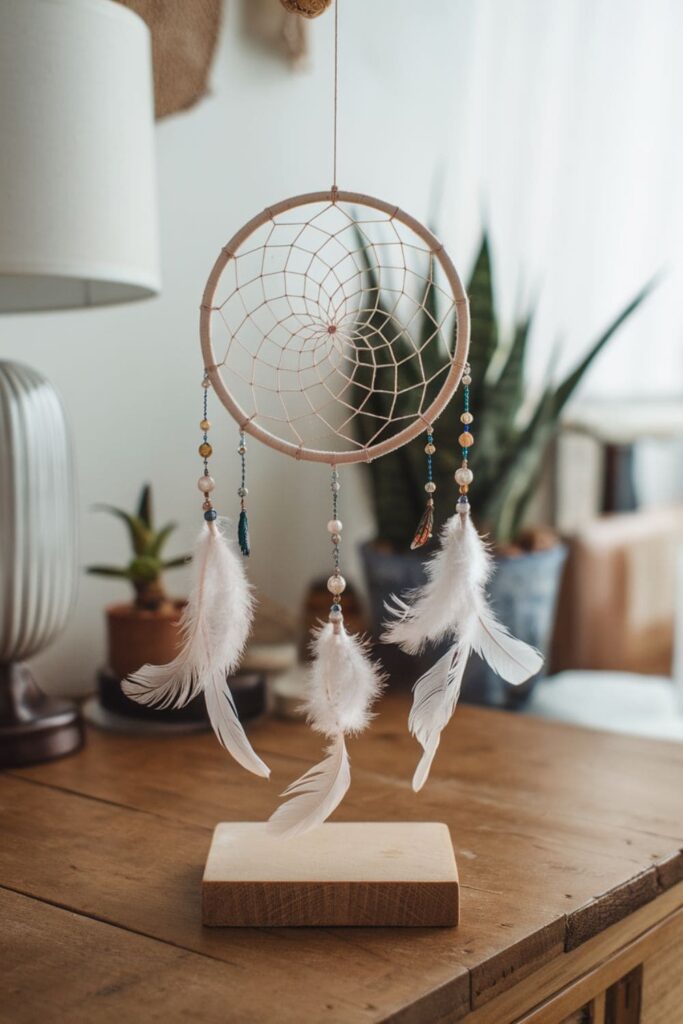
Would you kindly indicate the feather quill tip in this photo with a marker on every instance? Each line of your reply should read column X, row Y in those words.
column 311, row 798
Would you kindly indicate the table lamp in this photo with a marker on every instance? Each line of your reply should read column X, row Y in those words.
column 77, row 229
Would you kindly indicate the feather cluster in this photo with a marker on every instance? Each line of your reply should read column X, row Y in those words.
column 343, row 685
column 452, row 604
column 215, row 626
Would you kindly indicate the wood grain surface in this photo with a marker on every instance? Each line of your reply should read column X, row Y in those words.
column 565, row 838
column 378, row 873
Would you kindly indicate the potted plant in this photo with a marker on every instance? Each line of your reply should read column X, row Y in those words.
column 145, row 630
column 512, row 443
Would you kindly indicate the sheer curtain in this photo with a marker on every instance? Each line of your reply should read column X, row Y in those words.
column 568, row 142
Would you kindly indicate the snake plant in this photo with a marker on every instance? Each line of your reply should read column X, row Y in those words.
column 508, row 456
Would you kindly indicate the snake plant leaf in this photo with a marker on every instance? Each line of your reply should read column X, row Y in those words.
column 504, row 505
column 144, row 512
column 569, row 385
column 505, row 397
column 483, row 323
column 139, row 534
column 398, row 497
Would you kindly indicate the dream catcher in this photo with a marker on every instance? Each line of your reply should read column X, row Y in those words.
column 334, row 329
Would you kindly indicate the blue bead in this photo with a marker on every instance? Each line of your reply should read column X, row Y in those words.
column 336, row 608
column 210, row 515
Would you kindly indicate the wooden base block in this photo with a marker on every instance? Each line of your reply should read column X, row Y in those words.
column 360, row 873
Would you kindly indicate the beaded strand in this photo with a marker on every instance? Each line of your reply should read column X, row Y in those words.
column 464, row 475
column 426, row 525
column 206, row 482
column 242, row 491
column 336, row 584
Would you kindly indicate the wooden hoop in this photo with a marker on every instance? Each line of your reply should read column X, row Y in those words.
column 458, row 359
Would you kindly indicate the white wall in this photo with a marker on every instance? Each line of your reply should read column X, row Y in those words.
column 560, row 123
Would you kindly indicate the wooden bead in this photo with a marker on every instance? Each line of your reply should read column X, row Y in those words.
column 336, row 584
column 205, row 425
column 205, row 449
column 430, row 449
column 466, row 440
column 464, row 488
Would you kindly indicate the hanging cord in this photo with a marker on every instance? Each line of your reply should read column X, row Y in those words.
column 336, row 95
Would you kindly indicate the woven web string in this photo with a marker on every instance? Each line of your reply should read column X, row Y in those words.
column 336, row 331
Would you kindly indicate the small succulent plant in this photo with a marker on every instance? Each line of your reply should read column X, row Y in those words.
column 144, row 571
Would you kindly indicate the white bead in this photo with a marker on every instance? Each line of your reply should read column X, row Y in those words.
column 464, row 476
column 336, row 584
column 206, row 484
column 335, row 486
column 466, row 417
column 336, row 539
column 467, row 380
column 430, row 487
column 334, row 526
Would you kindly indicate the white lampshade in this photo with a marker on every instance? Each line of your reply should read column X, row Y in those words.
column 78, row 223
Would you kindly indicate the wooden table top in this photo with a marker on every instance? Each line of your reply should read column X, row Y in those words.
column 559, row 832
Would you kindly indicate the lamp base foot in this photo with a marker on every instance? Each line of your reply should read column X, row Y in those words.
column 33, row 726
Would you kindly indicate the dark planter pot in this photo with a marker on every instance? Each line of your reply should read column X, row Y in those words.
column 248, row 692
column 523, row 593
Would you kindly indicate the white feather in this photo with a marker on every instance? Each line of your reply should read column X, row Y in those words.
column 227, row 726
column 452, row 603
column 431, row 612
column 436, row 694
column 510, row 658
column 313, row 797
column 343, row 684
column 215, row 626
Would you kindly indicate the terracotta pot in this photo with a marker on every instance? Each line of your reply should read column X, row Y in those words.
column 137, row 637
